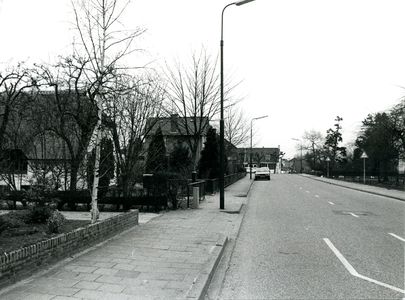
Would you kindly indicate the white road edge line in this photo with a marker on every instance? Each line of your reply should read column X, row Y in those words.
column 354, row 215
column 352, row 271
column 396, row 236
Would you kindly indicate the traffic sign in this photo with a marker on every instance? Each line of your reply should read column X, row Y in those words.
column 364, row 155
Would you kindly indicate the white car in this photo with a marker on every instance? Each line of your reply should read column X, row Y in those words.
column 263, row 172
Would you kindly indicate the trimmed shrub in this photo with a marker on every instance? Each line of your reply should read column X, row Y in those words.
column 13, row 220
column 39, row 214
column 56, row 221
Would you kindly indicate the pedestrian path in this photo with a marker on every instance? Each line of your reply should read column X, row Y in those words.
column 172, row 256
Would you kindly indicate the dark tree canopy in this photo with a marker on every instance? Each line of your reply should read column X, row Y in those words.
column 336, row 153
column 180, row 159
column 377, row 140
column 209, row 161
column 156, row 161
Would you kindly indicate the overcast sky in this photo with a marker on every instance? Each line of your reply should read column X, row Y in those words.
column 301, row 62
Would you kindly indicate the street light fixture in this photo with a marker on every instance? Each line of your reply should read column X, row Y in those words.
column 251, row 146
column 221, row 122
column 301, row 152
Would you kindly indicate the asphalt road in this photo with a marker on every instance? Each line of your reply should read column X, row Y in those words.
column 304, row 239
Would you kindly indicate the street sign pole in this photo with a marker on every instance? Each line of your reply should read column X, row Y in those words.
column 364, row 156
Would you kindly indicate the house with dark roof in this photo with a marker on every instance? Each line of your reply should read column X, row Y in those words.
column 43, row 140
column 187, row 131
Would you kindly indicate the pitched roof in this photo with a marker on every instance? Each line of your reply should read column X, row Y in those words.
column 175, row 125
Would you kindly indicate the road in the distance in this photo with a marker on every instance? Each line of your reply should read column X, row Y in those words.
column 304, row 239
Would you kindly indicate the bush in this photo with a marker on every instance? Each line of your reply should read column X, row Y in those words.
column 56, row 221
column 13, row 220
column 39, row 214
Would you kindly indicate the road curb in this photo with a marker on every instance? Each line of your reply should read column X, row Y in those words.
column 356, row 189
column 203, row 279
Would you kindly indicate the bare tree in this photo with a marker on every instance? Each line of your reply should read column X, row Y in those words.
column 128, row 112
column 16, row 96
column 13, row 82
column 68, row 109
column 314, row 141
column 193, row 91
column 105, row 41
column 237, row 130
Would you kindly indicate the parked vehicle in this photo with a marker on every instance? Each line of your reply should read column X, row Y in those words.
column 262, row 173
column 248, row 170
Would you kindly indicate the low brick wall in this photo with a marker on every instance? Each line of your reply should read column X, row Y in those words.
column 24, row 262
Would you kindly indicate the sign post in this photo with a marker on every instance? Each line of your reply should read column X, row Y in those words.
column 364, row 156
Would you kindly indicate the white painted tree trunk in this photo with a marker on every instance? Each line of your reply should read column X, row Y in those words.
column 94, row 203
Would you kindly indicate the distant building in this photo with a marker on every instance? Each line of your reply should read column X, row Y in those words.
column 262, row 157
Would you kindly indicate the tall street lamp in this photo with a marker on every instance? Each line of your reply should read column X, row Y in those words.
column 251, row 146
column 221, row 122
column 301, row 152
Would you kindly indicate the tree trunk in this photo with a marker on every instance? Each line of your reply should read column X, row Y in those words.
column 94, row 209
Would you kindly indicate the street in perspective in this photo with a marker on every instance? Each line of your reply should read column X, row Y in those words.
column 202, row 150
column 303, row 238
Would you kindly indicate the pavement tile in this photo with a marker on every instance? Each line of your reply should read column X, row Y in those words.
column 88, row 285
column 127, row 281
column 64, row 274
column 108, row 279
column 184, row 271
column 162, row 293
column 81, row 269
column 107, row 265
column 89, row 294
column 113, row 288
column 66, row 298
column 87, row 276
column 128, row 267
column 49, row 290
column 105, row 271
column 13, row 296
column 149, row 276
column 42, row 281
column 121, row 261
column 65, row 282
column 179, row 285
column 128, row 273
column 115, row 296
column 37, row 296
column 136, row 290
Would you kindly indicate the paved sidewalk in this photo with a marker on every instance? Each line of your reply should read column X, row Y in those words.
column 394, row 194
column 172, row 256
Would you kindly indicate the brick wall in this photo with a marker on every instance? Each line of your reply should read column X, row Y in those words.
column 24, row 262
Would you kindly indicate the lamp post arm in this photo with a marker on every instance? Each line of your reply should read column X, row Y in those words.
column 222, row 21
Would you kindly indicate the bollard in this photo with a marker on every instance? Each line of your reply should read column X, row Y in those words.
column 196, row 197
column 194, row 176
